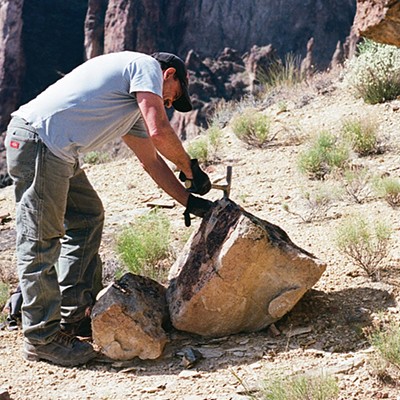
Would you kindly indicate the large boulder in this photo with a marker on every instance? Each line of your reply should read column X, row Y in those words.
column 238, row 273
column 128, row 319
column 378, row 20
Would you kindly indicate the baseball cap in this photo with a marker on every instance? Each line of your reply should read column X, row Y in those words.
column 168, row 60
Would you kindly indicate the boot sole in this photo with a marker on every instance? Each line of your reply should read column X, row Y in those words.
column 29, row 356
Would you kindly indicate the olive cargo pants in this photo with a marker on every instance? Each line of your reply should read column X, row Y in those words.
column 59, row 222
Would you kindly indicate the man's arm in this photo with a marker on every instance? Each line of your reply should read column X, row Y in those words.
column 157, row 168
column 162, row 135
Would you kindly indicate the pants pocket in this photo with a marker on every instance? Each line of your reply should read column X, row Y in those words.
column 28, row 222
column 21, row 154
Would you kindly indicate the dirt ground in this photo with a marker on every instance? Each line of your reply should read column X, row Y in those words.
column 323, row 334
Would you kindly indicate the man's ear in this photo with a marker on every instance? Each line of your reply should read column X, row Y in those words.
column 169, row 73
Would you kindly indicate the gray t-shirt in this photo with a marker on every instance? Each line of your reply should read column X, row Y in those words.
column 94, row 104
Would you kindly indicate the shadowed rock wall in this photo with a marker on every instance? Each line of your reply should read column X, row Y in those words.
column 41, row 40
column 57, row 35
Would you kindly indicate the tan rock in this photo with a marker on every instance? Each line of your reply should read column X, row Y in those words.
column 378, row 20
column 238, row 273
column 127, row 319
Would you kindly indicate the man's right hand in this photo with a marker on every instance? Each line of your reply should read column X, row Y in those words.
column 196, row 206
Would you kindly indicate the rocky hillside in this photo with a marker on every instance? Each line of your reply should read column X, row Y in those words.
column 324, row 334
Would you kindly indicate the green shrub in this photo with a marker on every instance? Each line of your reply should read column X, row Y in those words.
column 386, row 340
column 323, row 155
column 4, row 294
column 389, row 189
column 362, row 135
column 96, row 157
column 252, row 127
column 301, row 387
column 198, row 148
column 375, row 73
column 364, row 245
column 205, row 147
column 143, row 245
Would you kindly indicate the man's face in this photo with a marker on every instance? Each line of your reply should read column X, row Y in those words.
column 171, row 88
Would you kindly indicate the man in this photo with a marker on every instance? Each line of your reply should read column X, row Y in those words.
column 59, row 217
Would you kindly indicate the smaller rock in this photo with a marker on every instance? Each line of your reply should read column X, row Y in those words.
column 128, row 319
column 4, row 395
column 190, row 357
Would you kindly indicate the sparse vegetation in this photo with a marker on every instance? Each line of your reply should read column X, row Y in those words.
column 375, row 73
column 323, row 154
column 316, row 205
column 96, row 157
column 282, row 73
column 222, row 114
column 366, row 246
column 4, row 293
column 252, row 127
column 357, row 184
column 389, row 189
column 301, row 387
column 362, row 135
column 205, row 147
column 386, row 340
column 143, row 246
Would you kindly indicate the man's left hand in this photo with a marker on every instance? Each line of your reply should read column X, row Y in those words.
column 200, row 183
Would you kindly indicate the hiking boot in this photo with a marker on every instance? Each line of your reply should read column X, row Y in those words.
column 82, row 328
column 64, row 350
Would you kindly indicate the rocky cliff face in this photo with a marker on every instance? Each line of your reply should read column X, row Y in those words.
column 11, row 57
column 56, row 35
column 379, row 20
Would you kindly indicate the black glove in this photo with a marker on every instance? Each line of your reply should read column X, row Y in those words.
column 196, row 206
column 200, row 183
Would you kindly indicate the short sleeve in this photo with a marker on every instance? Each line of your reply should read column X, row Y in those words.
column 144, row 75
column 139, row 129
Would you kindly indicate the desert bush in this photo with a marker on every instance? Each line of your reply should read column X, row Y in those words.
column 362, row 135
column 205, row 147
column 198, row 148
column 366, row 246
column 96, row 157
column 4, row 294
column 357, row 184
column 222, row 113
column 374, row 73
column 144, row 245
column 316, row 205
column 386, row 340
column 323, row 154
column 388, row 188
column 301, row 387
column 252, row 127
column 286, row 72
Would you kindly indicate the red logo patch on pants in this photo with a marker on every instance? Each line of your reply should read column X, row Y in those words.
column 14, row 144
